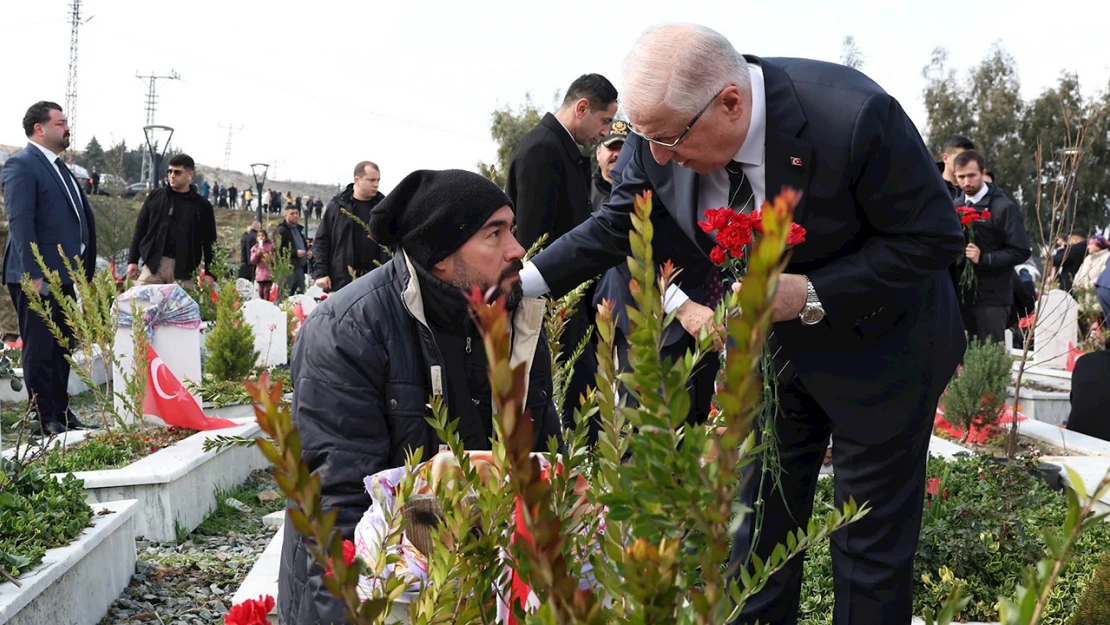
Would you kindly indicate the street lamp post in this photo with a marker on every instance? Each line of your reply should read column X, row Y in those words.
column 259, row 170
column 157, row 136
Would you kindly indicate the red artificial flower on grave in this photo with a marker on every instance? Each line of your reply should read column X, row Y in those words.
column 250, row 612
column 348, row 556
column 932, row 486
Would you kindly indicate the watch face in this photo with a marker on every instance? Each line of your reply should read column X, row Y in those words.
column 812, row 315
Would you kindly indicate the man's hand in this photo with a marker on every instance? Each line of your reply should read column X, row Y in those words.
column 694, row 317
column 790, row 298
column 133, row 271
column 324, row 283
column 300, row 253
column 972, row 253
column 309, row 254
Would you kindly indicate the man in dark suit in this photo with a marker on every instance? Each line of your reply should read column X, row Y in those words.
column 549, row 185
column 46, row 206
column 865, row 313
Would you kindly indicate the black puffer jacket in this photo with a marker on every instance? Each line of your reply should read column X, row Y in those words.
column 364, row 365
column 333, row 247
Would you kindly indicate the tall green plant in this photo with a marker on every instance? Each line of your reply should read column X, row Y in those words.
column 91, row 318
column 231, row 352
column 976, row 395
column 280, row 263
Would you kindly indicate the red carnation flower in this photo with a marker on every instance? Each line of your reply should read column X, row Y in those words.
column 250, row 612
column 932, row 486
column 348, row 556
column 718, row 255
column 797, row 235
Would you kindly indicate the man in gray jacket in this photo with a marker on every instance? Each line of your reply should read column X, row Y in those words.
column 367, row 360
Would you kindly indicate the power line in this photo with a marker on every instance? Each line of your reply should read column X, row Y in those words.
column 152, row 105
column 231, row 129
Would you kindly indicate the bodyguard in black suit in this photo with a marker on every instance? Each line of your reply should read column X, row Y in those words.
column 881, row 333
column 549, row 184
column 45, row 206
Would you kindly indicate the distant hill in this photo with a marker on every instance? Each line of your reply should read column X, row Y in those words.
column 239, row 179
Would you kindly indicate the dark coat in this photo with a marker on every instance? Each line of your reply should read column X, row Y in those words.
column 364, row 365
column 1003, row 245
column 284, row 235
column 548, row 182
column 39, row 211
column 877, row 249
column 154, row 222
column 333, row 248
column 1090, row 395
column 246, row 242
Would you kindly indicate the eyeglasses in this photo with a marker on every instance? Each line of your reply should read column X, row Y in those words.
column 175, row 172
column 682, row 136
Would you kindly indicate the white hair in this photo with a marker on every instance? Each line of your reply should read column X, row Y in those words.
column 680, row 66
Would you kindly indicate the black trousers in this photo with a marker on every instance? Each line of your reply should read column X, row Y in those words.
column 872, row 559
column 45, row 368
column 988, row 323
column 294, row 285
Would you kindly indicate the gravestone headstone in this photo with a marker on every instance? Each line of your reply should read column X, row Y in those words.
column 247, row 290
column 315, row 291
column 268, row 322
column 308, row 303
column 1057, row 329
column 178, row 347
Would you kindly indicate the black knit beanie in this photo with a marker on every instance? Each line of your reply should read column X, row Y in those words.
column 432, row 213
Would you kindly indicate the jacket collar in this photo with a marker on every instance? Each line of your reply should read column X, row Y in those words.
column 526, row 326
column 788, row 158
column 563, row 135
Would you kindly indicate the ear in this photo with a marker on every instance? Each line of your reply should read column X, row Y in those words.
column 736, row 104
column 444, row 267
column 582, row 108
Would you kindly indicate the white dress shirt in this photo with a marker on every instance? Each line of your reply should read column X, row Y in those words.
column 74, row 194
column 712, row 187
column 978, row 196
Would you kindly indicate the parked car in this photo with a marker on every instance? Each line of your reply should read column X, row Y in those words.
column 134, row 189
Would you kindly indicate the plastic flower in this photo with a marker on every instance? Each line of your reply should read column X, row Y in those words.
column 250, row 612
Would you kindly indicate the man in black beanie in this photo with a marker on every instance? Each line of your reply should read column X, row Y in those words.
column 366, row 361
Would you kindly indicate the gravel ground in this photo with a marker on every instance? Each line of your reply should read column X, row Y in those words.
column 192, row 582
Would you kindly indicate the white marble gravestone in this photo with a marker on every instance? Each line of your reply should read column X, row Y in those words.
column 247, row 290
column 177, row 347
column 314, row 291
column 268, row 322
column 1057, row 329
column 308, row 303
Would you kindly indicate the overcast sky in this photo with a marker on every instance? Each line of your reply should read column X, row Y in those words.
column 321, row 85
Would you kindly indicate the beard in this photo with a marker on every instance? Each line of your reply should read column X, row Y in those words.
column 466, row 278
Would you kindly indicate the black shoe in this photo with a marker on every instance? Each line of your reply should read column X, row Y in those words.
column 73, row 423
column 52, row 429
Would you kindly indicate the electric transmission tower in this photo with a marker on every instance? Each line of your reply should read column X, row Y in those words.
column 231, row 129
column 71, row 80
column 151, row 106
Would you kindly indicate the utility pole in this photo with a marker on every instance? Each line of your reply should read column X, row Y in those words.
column 71, row 80
column 151, row 105
column 231, row 130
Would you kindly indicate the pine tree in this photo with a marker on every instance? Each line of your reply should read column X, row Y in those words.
column 231, row 353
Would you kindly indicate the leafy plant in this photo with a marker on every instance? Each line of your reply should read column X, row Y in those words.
column 992, row 526
column 668, row 490
column 976, row 395
column 280, row 263
column 37, row 512
column 558, row 314
column 231, row 353
column 1093, row 607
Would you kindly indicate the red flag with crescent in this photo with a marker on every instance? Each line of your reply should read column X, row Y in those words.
column 168, row 400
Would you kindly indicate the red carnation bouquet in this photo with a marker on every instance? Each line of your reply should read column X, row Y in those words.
column 735, row 231
column 968, row 216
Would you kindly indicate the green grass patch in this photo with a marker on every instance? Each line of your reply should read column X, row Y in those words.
column 226, row 519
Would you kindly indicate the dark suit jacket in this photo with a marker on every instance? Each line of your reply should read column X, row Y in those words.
column 548, row 182
column 881, row 234
column 39, row 211
column 1090, row 395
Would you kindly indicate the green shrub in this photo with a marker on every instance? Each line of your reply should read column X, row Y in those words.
column 37, row 512
column 992, row 526
column 1094, row 604
column 231, row 353
column 977, row 393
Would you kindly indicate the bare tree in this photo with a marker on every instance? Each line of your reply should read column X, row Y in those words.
column 850, row 54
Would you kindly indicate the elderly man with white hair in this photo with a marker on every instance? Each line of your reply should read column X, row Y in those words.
column 866, row 322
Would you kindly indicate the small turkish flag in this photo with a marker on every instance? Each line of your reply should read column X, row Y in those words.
column 167, row 399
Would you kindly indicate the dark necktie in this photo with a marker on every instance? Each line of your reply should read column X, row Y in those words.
column 740, row 195
column 75, row 198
